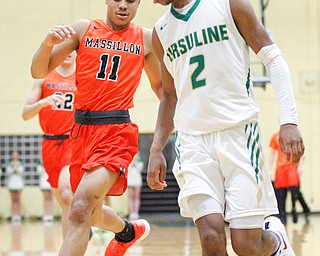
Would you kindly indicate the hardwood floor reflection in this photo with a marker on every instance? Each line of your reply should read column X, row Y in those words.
column 170, row 235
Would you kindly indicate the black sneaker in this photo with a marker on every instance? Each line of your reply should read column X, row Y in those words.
column 294, row 217
column 307, row 217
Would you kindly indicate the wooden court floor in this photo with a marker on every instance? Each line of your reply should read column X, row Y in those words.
column 170, row 235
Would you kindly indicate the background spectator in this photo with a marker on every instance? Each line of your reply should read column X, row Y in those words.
column 15, row 184
column 47, row 193
column 134, row 186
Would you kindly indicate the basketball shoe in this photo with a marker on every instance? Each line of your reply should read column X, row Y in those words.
column 275, row 225
column 141, row 231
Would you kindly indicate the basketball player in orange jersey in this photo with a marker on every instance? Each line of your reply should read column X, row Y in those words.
column 53, row 98
column 112, row 53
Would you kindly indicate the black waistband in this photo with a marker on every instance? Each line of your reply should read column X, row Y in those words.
column 55, row 137
column 102, row 117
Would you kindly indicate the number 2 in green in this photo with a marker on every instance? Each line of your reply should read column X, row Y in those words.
column 196, row 83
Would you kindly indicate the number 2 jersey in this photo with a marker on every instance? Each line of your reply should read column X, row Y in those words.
column 58, row 120
column 209, row 61
column 109, row 67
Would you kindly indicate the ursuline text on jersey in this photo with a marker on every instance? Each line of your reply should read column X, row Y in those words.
column 197, row 38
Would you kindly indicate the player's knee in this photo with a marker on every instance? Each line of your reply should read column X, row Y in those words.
column 78, row 212
column 244, row 247
column 212, row 240
column 66, row 197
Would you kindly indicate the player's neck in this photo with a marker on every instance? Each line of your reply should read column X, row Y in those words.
column 181, row 3
column 65, row 70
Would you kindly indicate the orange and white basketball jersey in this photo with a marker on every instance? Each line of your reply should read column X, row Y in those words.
column 59, row 119
column 108, row 67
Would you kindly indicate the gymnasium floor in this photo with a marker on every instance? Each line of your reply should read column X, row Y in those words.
column 170, row 235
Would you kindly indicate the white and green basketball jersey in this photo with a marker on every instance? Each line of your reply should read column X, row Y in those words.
column 209, row 61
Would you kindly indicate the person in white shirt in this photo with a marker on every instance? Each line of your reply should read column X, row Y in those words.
column 208, row 98
column 15, row 184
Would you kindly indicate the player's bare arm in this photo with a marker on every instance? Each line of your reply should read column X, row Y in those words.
column 165, row 118
column 34, row 103
column 257, row 38
column 60, row 41
column 152, row 65
column 249, row 26
column 157, row 164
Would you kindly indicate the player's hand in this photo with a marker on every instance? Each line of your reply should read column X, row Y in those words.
column 156, row 173
column 291, row 142
column 58, row 34
column 54, row 100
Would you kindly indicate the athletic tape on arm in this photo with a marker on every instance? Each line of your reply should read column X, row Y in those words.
column 278, row 70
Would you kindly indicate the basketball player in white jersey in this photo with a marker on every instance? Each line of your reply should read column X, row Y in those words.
column 203, row 46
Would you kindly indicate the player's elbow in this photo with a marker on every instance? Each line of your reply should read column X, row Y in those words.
column 38, row 75
column 25, row 116
column 158, row 92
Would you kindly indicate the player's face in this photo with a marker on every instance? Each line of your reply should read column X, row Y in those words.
column 121, row 12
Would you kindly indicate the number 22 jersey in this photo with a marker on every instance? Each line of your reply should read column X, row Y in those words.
column 59, row 119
